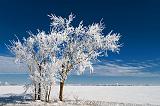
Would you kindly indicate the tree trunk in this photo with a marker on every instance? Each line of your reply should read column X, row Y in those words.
column 35, row 95
column 39, row 84
column 49, row 92
column 61, row 91
column 46, row 95
column 39, row 91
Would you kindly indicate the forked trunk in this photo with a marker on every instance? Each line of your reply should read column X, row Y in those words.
column 61, row 91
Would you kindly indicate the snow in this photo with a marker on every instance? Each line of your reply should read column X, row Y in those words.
column 113, row 94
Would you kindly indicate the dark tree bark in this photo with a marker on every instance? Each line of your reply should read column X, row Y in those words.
column 61, row 91
column 39, row 91
column 35, row 95
column 46, row 95
column 39, row 85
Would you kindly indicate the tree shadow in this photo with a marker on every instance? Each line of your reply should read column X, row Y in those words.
column 14, row 99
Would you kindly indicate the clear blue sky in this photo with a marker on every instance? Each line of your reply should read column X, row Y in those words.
column 138, row 21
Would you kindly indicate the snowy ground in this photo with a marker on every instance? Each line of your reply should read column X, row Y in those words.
column 90, row 95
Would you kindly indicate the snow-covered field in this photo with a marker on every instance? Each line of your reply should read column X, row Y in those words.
column 144, row 95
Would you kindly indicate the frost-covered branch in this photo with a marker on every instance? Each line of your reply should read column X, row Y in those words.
column 52, row 56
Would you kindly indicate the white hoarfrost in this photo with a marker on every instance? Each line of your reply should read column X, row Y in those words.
column 52, row 56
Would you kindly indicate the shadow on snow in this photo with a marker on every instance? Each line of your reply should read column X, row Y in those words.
column 14, row 99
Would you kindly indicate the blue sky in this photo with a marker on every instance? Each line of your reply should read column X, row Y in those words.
column 136, row 20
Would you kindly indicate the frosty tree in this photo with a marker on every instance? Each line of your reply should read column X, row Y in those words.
column 81, row 45
column 38, row 53
column 51, row 57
